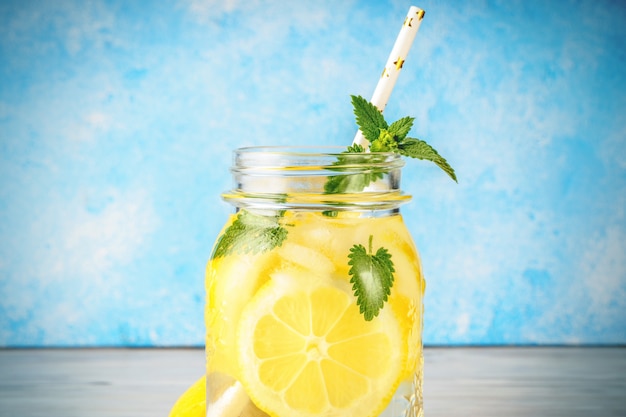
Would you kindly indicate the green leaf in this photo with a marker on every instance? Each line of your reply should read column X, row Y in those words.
column 250, row 233
column 369, row 119
column 371, row 278
column 416, row 148
column 348, row 183
column 355, row 148
column 400, row 128
column 352, row 182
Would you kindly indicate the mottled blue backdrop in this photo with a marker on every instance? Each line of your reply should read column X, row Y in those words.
column 117, row 119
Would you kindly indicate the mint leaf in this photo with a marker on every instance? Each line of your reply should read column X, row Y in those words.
column 356, row 148
column 372, row 278
column 400, row 128
column 348, row 182
column 369, row 119
column 250, row 233
column 416, row 148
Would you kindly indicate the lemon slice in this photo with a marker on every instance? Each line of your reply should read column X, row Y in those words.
column 307, row 351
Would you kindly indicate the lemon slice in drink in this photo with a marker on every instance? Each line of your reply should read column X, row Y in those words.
column 307, row 351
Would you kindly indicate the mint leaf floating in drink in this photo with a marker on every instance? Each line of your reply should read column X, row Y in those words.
column 250, row 233
column 372, row 278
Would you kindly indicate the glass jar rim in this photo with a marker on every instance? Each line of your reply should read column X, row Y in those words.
column 303, row 150
column 291, row 148
column 310, row 157
column 307, row 177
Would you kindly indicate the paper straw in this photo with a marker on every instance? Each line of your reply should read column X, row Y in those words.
column 394, row 64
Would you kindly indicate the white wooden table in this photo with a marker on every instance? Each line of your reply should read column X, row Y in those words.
column 472, row 382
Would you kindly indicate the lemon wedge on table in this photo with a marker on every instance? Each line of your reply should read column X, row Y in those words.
column 230, row 400
column 307, row 351
column 193, row 402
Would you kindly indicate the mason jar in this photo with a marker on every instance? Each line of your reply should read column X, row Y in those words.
column 314, row 289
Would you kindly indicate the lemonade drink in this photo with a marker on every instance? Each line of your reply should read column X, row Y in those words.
column 314, row 299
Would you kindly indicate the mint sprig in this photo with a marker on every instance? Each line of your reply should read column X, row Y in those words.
column 250, row 233
column 393, row 138
column 371, row 278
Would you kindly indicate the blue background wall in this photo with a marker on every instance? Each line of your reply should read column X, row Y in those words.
column 117, row 120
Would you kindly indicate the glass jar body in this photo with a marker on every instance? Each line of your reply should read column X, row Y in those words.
column 286, row 335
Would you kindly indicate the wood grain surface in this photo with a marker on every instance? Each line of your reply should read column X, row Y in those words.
column 459, row 381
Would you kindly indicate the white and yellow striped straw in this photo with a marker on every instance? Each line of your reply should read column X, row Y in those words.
column 394, row 64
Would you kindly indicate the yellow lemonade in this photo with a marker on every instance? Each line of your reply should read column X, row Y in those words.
column 286, row 336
